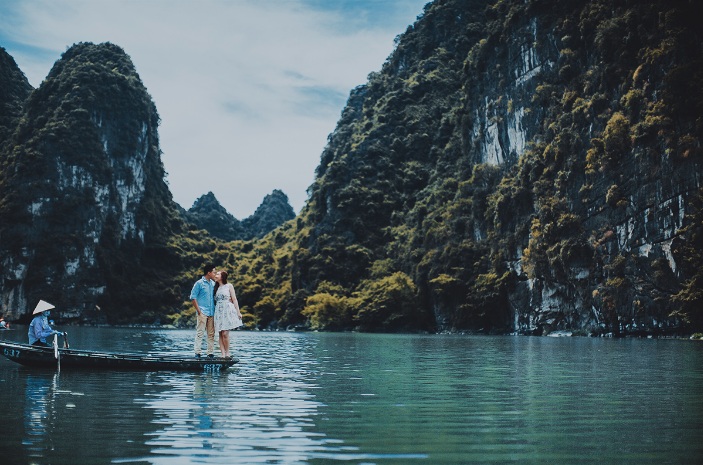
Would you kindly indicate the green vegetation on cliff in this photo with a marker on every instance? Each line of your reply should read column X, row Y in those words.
column 514, row 165
column 506, row 151
column 85, row 209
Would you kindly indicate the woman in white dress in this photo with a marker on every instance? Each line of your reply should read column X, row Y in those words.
column 227, row 314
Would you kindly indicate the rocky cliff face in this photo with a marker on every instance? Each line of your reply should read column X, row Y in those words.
column 86, row 219
column 84, row 203
column 518, row 166
column 597, row 95
column 531, row 166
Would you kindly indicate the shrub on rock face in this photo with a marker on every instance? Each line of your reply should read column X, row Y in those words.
column 616, row 138
column 328, row 309
column 388, row 303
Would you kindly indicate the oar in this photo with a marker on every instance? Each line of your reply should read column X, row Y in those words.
column 56, row 351
column 65, row 340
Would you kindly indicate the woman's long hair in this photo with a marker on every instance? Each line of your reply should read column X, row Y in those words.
column 223, row 278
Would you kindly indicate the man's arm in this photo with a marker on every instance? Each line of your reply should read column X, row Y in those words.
column 197, row 289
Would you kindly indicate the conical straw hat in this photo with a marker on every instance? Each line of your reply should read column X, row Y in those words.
column 42, row 307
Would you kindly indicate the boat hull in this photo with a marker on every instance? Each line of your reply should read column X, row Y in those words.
column 34, row 356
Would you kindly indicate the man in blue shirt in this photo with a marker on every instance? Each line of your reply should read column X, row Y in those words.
column 203, row 297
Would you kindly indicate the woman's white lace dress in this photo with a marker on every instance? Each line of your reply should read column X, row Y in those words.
column 225, row 314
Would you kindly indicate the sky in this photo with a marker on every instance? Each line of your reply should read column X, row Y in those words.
column 247, row 90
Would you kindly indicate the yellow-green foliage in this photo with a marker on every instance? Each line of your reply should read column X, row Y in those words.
column 594, row 156
column 443, row 282
column 328, row 308
column 616, row 137
column 327, row 311
column 614, row 196
column 534, row 252
column 186, row 318
column 386, row 302
column 403, row 221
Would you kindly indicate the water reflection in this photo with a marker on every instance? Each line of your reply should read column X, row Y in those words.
column 362, row 398
column 528, row 400
column 201, row 396
column 40, row 412
column 260, row 412
column 78, row 417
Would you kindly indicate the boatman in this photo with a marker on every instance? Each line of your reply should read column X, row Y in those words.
column 39, row 328
column 203, row 299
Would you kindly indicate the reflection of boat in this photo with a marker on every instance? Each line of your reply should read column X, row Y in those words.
column 71, row 358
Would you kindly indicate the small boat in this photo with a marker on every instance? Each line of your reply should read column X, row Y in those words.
column 56, row 357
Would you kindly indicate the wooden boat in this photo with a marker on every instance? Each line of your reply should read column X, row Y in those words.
column 55, row 357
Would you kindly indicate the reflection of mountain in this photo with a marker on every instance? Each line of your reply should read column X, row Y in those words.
column 202, row 396
column 261, row 411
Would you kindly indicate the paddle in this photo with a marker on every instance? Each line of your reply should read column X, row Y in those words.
column 56, row 351
column 57, row 354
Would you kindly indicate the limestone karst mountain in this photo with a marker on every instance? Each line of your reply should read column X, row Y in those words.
column 514, row 166
column 521, row 166
column 13, row 92
column 87, row 216
column 85, row 208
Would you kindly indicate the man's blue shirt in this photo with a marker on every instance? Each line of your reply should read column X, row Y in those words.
column 202, row 292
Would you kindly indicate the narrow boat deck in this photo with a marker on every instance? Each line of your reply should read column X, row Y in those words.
column 48, row 357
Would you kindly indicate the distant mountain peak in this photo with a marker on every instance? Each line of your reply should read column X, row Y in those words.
column 207, row 213
column 207, row 202
column 14, row 90
column 273, row 212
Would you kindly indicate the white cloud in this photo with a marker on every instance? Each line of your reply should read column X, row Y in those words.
column 247, row 91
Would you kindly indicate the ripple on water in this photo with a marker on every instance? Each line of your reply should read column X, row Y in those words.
column 368, row 399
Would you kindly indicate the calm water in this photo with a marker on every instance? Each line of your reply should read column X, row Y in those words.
column 299, row 398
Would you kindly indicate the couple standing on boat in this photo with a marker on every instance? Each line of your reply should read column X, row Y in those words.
column 217, row 310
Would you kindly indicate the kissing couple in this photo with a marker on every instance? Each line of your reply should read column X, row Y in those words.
column 217, row 310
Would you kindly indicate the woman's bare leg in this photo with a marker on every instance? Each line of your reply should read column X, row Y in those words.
column 225, row 334
column 224, row 344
